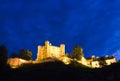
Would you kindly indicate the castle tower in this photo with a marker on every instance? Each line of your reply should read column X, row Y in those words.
column 62, row 50
column 47, row 43
column 40, row 53
column 47, row 49
column 50, row 51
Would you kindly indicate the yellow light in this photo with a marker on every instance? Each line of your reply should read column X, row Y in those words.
column 66, row 60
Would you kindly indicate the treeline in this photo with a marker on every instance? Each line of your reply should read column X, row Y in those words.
column 24, row 54
column 3, row 56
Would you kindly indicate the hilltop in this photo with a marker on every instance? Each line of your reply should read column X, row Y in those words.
column 58, row 71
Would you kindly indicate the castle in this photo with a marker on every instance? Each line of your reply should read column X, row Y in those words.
column 50, row 51
column 59, row 52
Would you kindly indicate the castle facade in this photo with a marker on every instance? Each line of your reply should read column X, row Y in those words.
column 50, row 51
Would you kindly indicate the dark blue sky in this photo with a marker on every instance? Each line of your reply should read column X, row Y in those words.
column 91, row 24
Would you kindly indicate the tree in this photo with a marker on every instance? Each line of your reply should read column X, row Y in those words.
column 26, row 55
column 3, row 55
column 77, row 53
column 22, row 54
column 102, row 61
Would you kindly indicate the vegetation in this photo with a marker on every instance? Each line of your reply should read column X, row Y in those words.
column 55, row 71
column 58, row 71
column 77, row 53
column 3, row 56
column 26, row 55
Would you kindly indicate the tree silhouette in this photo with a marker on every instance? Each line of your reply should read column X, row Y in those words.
column 22, row 54
column 3, row 55
column 77, row 53
column 26, row 55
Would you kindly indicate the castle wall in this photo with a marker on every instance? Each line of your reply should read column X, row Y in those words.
column 95, row 64
column 55, row 51
column 50, row 51
column 110, row 61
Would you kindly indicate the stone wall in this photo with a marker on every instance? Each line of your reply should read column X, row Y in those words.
column 50, row 51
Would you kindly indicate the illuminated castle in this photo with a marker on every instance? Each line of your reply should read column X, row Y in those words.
column 50, row 51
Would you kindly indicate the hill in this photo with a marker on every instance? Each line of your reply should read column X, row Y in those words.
column 57, row 71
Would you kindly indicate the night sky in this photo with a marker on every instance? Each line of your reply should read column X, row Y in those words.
column 91, row 24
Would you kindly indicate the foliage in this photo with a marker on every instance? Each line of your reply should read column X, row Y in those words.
column 102, row 63
column 77, row 53
column 118, row 61
column 22, row 54
column 27, row 55
column 3, row 55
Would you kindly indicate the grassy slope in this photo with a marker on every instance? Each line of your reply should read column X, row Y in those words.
column 57, row 71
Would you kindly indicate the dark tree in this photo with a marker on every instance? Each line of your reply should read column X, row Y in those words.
column 77, row 53
column 26, row 55
column 3, row 55
column 102, row 62
column 22, row 54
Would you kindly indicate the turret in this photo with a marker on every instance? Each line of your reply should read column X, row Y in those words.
column 93, row 56
column 47, row 43
column 47, row 48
